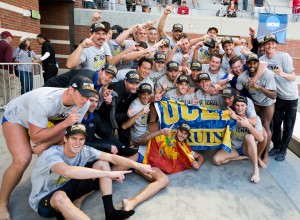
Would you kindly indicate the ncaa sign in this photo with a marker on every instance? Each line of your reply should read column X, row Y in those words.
column 272, row 24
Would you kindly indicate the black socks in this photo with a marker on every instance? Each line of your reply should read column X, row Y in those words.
column 111, row 213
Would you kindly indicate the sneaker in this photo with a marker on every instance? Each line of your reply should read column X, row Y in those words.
column 280, row 156
column 274, row 151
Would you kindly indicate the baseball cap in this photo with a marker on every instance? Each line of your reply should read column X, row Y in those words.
column 110, row 68
column 166, row 41
column 183, row 1
column 6, row 34
column 229, row 92
column 144, row 87
column 84, row 85
column 196, row 65
column 159, row 57
column 227, row 39
column 177, row 27
column 77, row 128
column 182, row 78
column 203, row 76
column 24, row 38
column 252, row 56
column 97, row 27
column 172, row 65
column 240, row 98
column 209, row 42
column 116, row 31
column 270, row 37
column 213, row 28
column 142, row 44
column 260, row 41
column 184, row 127
column 132, row 77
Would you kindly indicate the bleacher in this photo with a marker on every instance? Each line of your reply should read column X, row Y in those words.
column 208, row 8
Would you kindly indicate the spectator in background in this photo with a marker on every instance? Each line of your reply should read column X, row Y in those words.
column 89, row 4
column 23, row 54
column 48, row 56
column 131, row 5
column 146, row 8
column 183, row 9
column 245, row 5
column 259, row 6
column 7, row 76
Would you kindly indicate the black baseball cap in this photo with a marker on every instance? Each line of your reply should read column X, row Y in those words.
column 132, row 77
column 77, row 128
column 182, row 78
column 270, row 37
column 166, row 41
column 84, row 85
column 116, row 31
column 172, row 65
column 160, row 57
column 227, row 39
column 229, row 92
column 110, row 68
column 184, row 127
column 209, row 42
column 196, row 65
column 240, row 98
column 203, row 76
column 144, row 87
column 177, row 27
column 252, row 56
column 97, row 27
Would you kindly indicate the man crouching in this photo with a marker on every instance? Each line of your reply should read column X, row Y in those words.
column 59, row 177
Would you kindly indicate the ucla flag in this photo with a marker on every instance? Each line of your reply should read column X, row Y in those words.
column 210, row 129
column 272, row 24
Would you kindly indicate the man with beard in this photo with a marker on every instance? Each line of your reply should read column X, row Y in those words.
column 204, row 53
column 184, row 56
column 263, row 93
column 166, row 82
column 93, row 52
column 243, row 139
column 177, row 28
column 230, row 51
column 287, row 96
column 195, row 68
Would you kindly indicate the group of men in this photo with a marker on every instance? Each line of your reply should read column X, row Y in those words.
column 119, row 75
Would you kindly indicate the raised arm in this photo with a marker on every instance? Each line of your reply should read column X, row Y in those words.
column 162, row 21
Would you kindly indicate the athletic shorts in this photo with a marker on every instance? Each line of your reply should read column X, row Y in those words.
column 74, row 190
column 240, row 151
column 3, row 120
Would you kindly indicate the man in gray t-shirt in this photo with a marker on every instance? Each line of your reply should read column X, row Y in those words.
column 287, row 96
column 40, row 117
column 263, row 93
column 243, row 140
column 59, row 177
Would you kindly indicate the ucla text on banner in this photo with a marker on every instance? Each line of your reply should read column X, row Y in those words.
column 210, row 129
column 273, row 24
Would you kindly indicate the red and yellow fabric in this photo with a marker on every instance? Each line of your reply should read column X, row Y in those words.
column 168, row 154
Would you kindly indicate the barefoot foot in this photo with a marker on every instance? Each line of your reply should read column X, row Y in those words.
column 4, row 213
column 262, row 164
column 255, row 178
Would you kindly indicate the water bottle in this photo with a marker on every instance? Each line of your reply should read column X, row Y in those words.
column 57, row 64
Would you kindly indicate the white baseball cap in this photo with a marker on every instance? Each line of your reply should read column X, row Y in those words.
column 24, row 38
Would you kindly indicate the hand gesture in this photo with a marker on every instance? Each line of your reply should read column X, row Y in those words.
column 168, row 10
column 243, row 121
column 195, row 101
column 166, row 131
column 145, row 110
column 232, row 113
column 230, row 76
column 252, row 32
column 119, row 176
column 195, row 165
column 88, row 42
column 185, row 57
column 164, row 86
column 146, row 169
column 73, row 117
column 114, row 149
column 96, row 17
column 278, row 71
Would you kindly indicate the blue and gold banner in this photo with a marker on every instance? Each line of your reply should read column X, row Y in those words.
column 210, row 129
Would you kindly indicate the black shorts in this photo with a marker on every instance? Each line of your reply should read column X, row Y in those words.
column 74, row 190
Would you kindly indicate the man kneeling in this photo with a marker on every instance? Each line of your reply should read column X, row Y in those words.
column 59, row 177
column 243, row 139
